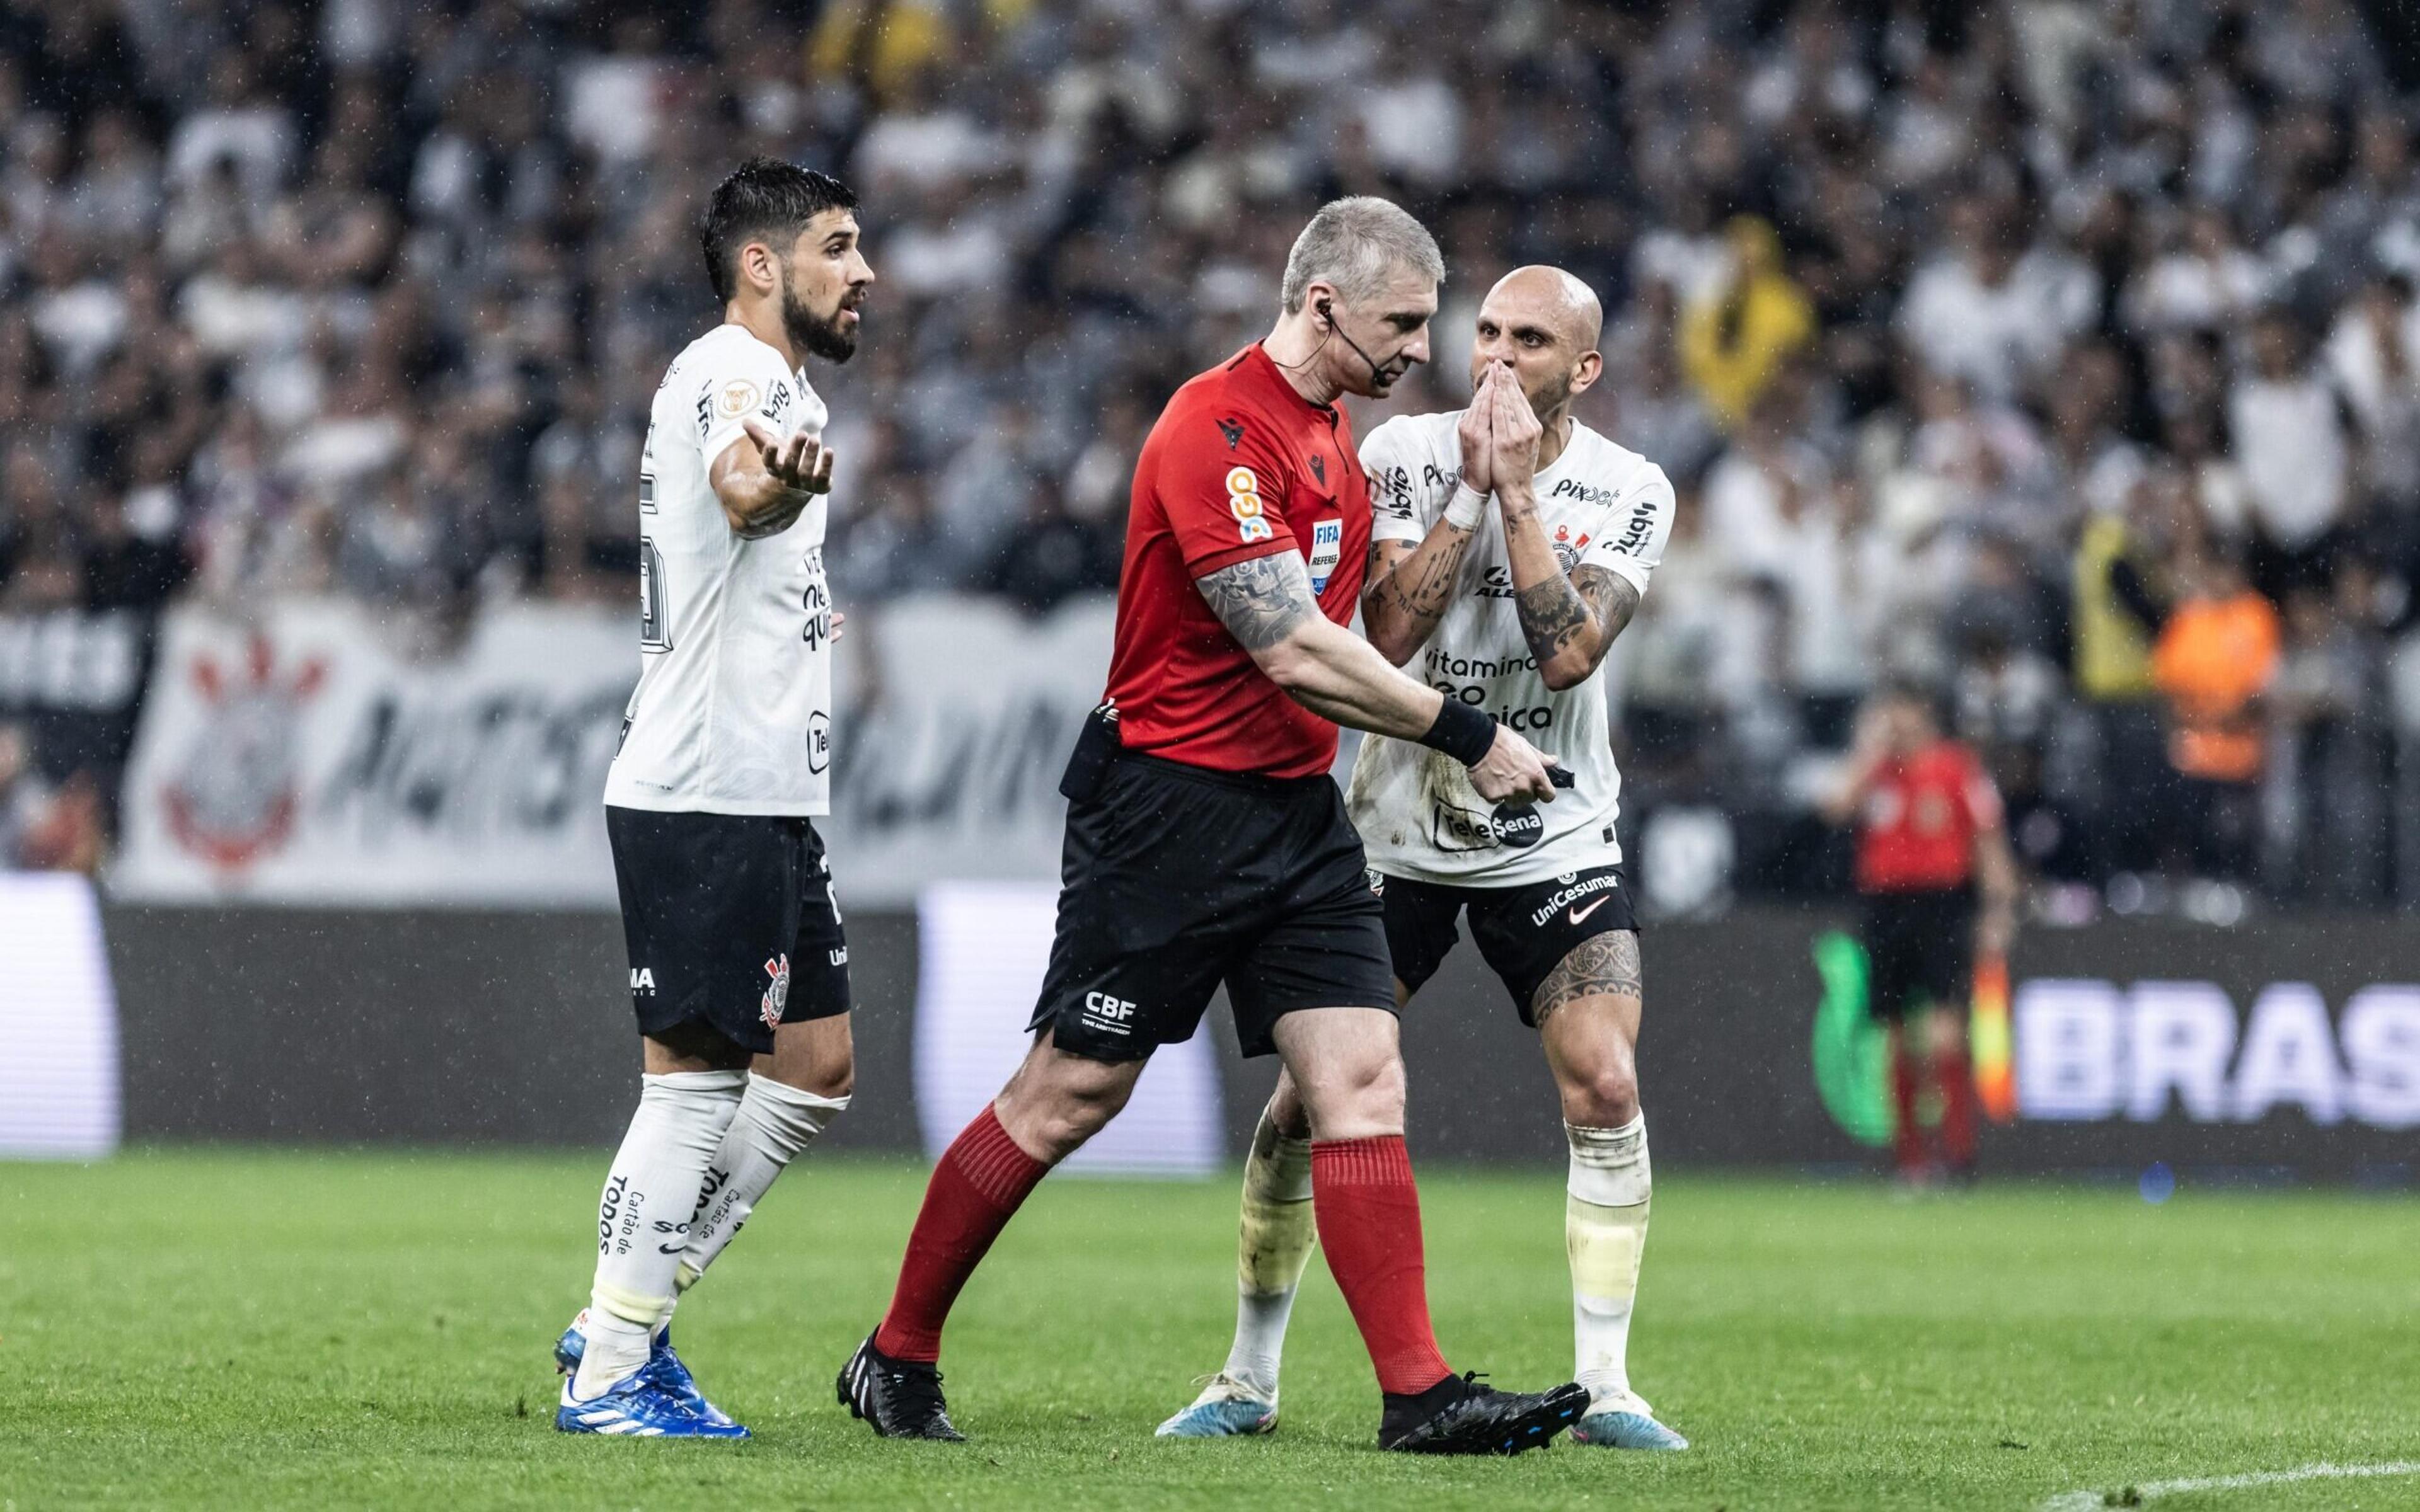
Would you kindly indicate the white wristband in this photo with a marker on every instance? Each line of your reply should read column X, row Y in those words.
column 1463, row 511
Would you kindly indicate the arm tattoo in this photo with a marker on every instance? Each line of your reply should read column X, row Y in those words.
column 1428, row 590
column 1603, row 965
column 1260, row 601
column 1553, row 615
column 1613, row 598
column 1561, row 610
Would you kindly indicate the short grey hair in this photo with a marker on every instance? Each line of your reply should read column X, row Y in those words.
column 1357, row 244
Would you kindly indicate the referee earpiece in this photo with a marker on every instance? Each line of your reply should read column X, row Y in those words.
column 1377, row 374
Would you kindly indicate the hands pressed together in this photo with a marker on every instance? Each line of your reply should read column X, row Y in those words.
column 1499, row 434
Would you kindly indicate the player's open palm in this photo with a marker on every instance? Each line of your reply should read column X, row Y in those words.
column 797, row 462
column 1475, row 433
column 1514, row 429
column 1512, row 770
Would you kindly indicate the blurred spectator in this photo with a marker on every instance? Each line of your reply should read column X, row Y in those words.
column 22, row 799
column 1964, row 328
column 1991, row 311
column 2216, row 658
column 2120, row 595
column 1777, row 519
column 2286, row 425
column 1051, row 554
column 1735, row 337
column 42, row 828
column 2373, row 360
column 2330, row 750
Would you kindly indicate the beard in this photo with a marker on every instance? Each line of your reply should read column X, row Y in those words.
column 811, row 333
column 1552, row 397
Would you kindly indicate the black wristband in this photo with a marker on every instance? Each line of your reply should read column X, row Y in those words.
column 1461, row 731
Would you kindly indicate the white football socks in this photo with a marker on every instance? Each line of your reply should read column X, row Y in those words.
column 1273, row 1246
column 775, row 1123
column 643, row 1220
column 1604, row 1228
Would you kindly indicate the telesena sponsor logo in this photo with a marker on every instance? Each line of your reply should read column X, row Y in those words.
column 2088, row 1049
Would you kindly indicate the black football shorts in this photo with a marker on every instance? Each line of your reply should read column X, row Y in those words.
column 1523, row 933
column 731, row 921
column 1176, row 879
column 1919, row 950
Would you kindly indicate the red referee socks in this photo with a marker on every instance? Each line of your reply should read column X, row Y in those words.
column 1907, row 1069
column 981, row 1181
column 1957, row 1084
column 1951, row 1074
column 1369, row 1214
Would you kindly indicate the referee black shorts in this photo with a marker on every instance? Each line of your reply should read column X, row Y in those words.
column 1176, row 879
column 1919, row 950
column 731, row 921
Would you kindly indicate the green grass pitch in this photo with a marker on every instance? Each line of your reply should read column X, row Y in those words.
column 233, row 1329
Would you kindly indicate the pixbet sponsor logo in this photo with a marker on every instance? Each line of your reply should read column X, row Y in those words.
column 2088, row 1049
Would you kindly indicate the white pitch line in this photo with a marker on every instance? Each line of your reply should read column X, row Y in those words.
column 2324, row 1470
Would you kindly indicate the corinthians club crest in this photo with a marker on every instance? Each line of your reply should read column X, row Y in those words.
column 1569, row 547
column 777, row 992
column 235, row 791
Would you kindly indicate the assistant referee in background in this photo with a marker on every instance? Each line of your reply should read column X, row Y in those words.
column 1938, row 886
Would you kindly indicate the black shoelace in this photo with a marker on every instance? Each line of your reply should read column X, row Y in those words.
column 919, row 1390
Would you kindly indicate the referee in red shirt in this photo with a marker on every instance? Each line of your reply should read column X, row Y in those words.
column 1207, row 846
column 1929, row 832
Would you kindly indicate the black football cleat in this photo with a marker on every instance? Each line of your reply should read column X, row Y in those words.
column 1459, row 1416
column 901, row 1398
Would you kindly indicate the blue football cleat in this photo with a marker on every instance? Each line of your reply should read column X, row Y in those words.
column 1227, row 1409
column 671, row 1374
column 1625, row 1430
column 639, row 1405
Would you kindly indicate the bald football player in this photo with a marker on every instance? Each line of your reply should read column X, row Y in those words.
column 1512, row 546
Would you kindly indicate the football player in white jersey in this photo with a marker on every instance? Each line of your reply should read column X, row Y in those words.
column 1512, row 546
column 738, row 968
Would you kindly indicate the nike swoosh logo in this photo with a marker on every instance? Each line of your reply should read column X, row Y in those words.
column 1580, row 914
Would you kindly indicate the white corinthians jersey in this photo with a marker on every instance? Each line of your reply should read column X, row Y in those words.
column 1419, row 817
column 733, row 711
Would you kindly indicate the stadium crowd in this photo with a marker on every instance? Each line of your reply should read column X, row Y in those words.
column 2062, row 356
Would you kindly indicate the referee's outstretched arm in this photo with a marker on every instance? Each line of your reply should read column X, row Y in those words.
column 1266, row 604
